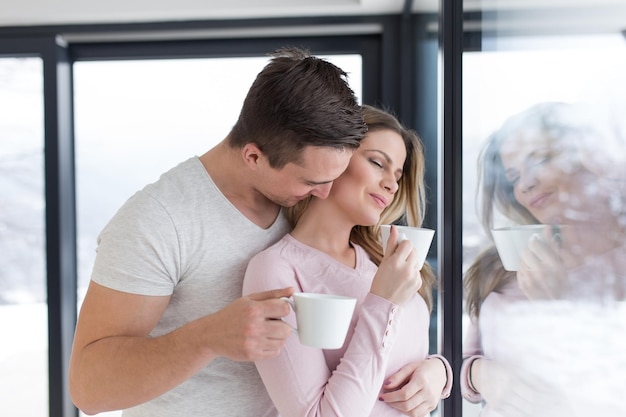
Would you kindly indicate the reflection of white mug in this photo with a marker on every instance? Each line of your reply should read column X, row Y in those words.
column 420, row 238
column 511, row 242
column 323, row 319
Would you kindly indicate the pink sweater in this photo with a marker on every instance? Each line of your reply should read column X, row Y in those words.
column 383, row 337
column 569, row 352
column 481, row 338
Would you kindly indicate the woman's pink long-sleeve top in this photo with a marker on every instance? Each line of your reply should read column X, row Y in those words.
column 383, row 337
column 481, row 337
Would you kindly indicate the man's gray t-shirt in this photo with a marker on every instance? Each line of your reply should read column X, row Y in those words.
column 181, row 237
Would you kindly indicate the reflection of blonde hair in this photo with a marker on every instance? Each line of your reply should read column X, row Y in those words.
column 484, row 276
column 408, row 205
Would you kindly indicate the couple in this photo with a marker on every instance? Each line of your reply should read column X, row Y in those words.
column 164, row 330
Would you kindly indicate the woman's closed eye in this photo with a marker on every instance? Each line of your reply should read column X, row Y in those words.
column 513, row 180
column 377, row 162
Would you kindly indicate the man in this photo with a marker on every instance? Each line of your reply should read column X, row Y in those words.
column 163, row 330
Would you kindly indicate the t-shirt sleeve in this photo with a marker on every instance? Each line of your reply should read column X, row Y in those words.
column 138, row 250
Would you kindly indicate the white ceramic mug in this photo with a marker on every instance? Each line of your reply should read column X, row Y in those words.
column 511, row 242
column 322, row 319
column 420, row 237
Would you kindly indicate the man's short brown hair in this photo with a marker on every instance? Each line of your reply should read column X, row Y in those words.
column 296, row 101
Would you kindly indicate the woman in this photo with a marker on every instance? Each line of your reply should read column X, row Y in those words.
column 558, row 165
column 552, row 164
column 384, row 368
column 490, row 288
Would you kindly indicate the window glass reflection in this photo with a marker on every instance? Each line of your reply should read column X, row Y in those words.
column 544, row 140
column 23, row 308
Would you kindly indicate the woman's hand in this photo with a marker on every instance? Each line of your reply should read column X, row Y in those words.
column 508, row 392
column 398, row 277
column 542, row 274
column 415, row 389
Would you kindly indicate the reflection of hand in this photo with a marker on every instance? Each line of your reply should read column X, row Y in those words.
column 398, row 277
column 507, row 393
column 415, row 389
column 541, row 272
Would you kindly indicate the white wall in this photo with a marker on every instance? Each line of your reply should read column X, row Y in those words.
column 41, row 12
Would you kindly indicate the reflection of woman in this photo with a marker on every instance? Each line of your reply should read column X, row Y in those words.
column 384, row 368
column 543, row 166
column 489, row 288
column 556, row 165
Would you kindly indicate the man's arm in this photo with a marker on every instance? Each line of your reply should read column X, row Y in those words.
column 116, row 365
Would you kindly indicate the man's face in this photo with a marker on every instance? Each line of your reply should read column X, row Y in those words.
column 319, row 166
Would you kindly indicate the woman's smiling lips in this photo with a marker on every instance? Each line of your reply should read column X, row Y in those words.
column 380, row 200
column 539, row 200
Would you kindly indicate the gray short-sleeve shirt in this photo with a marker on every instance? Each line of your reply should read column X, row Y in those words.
column 180, row 236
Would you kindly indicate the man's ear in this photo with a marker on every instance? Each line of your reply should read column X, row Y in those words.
column 251, row 155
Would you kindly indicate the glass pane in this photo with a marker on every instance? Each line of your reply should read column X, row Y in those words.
column 23, row 307
column 135, row 120
column 552, row 109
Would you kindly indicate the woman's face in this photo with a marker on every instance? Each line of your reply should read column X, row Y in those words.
column 548, row 178
column 370, row 182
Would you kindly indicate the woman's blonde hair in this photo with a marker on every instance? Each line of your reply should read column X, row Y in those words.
column 408, row 205
column 484, row 276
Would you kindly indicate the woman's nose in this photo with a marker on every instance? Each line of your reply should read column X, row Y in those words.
column 390, row 185
column 527, row 181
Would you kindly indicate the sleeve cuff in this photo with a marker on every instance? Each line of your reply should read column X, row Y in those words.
column 467, row 389
column 447, row 389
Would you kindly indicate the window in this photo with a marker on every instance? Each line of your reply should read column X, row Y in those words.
column 510, row 75
column 23, row 307
column 134, row 120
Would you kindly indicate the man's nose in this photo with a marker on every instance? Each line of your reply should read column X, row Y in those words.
column 322, row 191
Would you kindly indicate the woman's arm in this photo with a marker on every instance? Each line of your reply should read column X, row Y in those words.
column 299, row 380
column 472, row 350
column 416, row 389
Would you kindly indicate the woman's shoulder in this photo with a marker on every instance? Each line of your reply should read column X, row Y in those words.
column 271, row 268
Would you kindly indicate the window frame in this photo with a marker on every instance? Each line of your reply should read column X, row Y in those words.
column 374, row 38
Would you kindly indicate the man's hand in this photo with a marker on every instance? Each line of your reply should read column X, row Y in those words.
column 250, row 328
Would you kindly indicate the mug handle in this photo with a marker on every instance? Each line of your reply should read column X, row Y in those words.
column 293, row 307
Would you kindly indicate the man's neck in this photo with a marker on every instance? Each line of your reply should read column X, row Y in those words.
column 234, row 179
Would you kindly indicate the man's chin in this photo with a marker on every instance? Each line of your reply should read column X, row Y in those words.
column 287, row 203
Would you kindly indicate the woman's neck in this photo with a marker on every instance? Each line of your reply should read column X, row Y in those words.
column 326, row 230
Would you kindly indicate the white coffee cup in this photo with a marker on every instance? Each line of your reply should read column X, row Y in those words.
column 511, row 242
column 420, row 237
column 322, row 319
